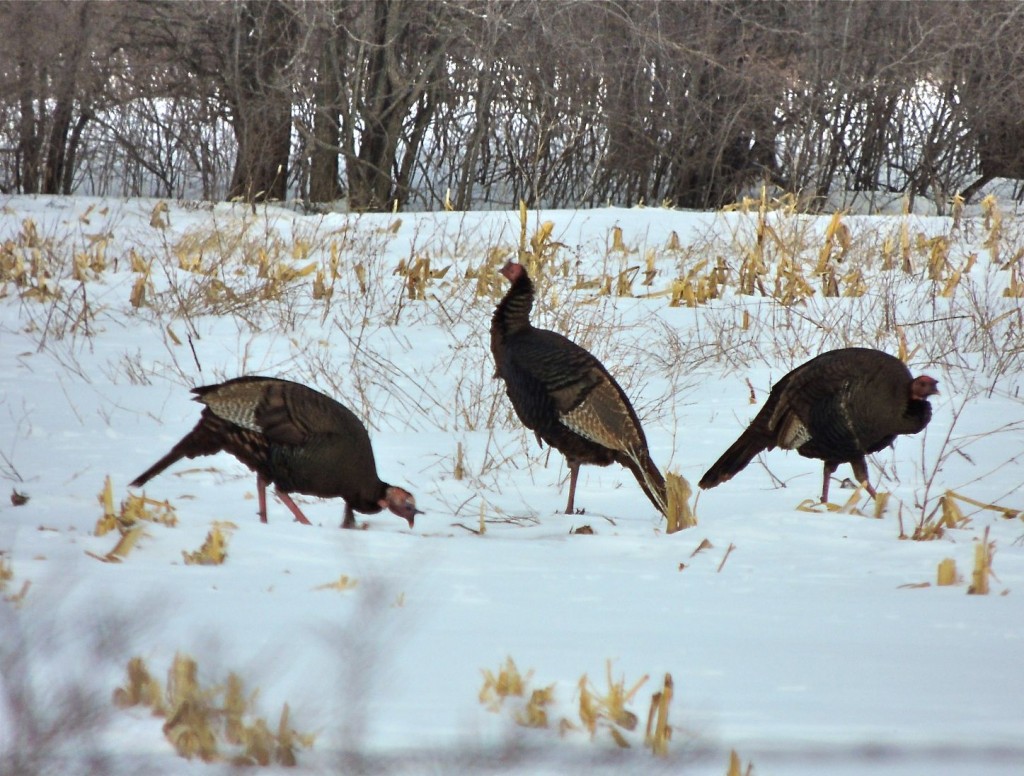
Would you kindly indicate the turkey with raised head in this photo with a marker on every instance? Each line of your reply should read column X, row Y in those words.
column 565, row 395
column 294, row 437
column 837, row 407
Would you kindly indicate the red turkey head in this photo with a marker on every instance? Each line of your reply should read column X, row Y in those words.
column 512, row 270
column 923, row 387
column 401, row 502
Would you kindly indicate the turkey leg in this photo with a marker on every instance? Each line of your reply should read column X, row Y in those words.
column 574, row 472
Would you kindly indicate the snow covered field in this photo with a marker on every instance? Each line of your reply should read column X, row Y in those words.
column 804, row 640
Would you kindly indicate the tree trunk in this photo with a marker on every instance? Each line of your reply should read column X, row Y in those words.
column 262, row 129
column 324, row 183
column 262, row 101
column 29, row 142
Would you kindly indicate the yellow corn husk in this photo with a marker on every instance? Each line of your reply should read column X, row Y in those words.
column 459, row 471
column 535, row 713
column 141, row 689
column 588, row 709
column 344, row 582
column 159, row 217
column 1006, row 512
column 213, row 552
column 137, row 298
column 125, row 544
column 982, row 567
column 946, row 572
column 507, row 682
column 617, row 243
column 360, row 272
column 957, row 209
column 906, row 264
column 881, row 504
column 235, row 707
column 650, row 271
column 658, row 732
column 679, row 514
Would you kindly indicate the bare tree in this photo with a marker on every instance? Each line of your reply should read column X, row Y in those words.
column 55, row 69
column 485, row 102
column 988, row 72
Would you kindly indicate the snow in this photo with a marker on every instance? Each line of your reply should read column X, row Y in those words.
column 803, row 640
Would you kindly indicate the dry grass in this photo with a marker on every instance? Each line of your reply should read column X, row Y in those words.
column 210, row 723
column 214, row 550
column 761, row 283
column 597, row 713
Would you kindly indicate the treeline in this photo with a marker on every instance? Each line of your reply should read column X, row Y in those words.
column 481, row 103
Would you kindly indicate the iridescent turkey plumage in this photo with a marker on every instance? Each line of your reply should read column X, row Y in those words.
column 296, row 438
column 565, row 395
column 838, row 407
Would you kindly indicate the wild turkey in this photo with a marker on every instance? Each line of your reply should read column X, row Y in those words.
column 565, row 395
column 838, row 407
column 294, row 437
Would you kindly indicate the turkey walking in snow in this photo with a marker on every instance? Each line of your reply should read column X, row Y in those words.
column 565, row 395
column 294, row 437
column 837, row 407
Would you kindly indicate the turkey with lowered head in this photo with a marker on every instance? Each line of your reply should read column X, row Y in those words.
column 297, row 438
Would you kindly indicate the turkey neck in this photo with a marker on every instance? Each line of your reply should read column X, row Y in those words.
column 918, row 413
column 513, row 312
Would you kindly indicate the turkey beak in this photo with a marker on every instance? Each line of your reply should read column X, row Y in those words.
column 413, row 511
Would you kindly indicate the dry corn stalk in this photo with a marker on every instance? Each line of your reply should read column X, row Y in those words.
column 1015, row 288
column 946, row 572
column 678, row 512
column 196, row 723
column 459, row 472
column 938, row 257
column 360, row 272
column 658, row 731
column 344, row 582
column 957, row 209
column 1005, row 512
column 624, row 281
column 906, row 264
column 6, row 573
column 235, row 707
column 321, row 290
column 947, row 514
column 617, row 243
column 611, row 708
column 188, row 723
column 837, row 234
column 736, row 766
column 993, row 221
column 214, row 550
column 983, row 552
column 535, row 713
column 507, row 682
column 141, row 689
column 650, row 271
column 159, row 218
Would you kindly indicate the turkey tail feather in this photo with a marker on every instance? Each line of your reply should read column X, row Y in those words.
column 650, row 479
column 172, row 457
column 201, row 440
column 734, row 460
